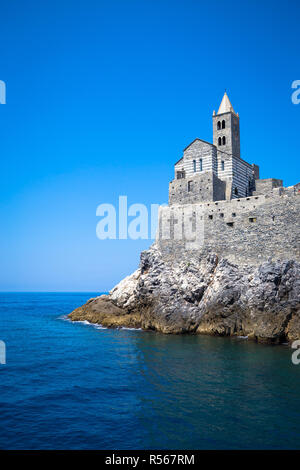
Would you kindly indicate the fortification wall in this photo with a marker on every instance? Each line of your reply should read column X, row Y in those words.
column 247, row 230
column 266, row 186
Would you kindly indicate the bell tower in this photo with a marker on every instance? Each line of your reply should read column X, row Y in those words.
column 226, row 128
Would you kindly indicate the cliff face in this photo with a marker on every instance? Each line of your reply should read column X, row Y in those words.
column 203, row 294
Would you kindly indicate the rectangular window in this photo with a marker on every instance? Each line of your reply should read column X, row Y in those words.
column 194, row 164
column 223, row 165
column 190, row 186
column 201, row 164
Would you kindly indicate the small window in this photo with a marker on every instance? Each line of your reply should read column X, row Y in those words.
column 210, row 217
column 224, row 140
column 233, row 214
column 223, row 124
column 252, row 219
column 230, row 224
column 221, row 215
column 236, row 191
column 223, row 165
column 190, row 186
column 219, row 125
column 194, row 165
column 220, row 141
column 201, row 164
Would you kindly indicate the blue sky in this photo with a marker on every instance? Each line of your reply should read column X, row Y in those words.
column 102, row 97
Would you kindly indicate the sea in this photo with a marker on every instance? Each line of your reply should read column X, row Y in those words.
column 80, row 386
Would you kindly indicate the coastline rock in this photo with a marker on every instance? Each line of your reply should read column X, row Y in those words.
column 203, row 296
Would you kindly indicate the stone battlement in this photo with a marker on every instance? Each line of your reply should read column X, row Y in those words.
column 245, row 230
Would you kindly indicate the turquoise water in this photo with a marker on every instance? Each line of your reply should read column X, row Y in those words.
column 73, row 386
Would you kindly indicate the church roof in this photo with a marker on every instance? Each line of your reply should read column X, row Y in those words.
column 199, row 140
column 225, row 106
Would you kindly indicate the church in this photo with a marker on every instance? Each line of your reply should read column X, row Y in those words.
column 215, row 172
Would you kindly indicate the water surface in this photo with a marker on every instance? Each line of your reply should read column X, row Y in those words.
column 74, row 386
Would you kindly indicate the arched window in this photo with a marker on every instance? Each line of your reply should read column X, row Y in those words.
column 223, row 124
column 219, row 141
column 201, row 164
column 194, row 165
column 224, row 140
column 236, row 191
column 223, row 165
column 219, row 125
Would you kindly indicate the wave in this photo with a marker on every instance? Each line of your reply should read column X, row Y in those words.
column 97, row 326
column 130, row 329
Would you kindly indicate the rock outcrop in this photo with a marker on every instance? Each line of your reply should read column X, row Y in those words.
column 205, row 295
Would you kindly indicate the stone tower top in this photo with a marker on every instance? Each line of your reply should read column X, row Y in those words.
column 226, row 128
column 225, row 106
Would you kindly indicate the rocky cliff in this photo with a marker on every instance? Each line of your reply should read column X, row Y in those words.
column 206, row 295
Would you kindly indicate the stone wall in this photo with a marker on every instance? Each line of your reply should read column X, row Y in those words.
column 199, row 187
column 266, row 186
column 249, row 230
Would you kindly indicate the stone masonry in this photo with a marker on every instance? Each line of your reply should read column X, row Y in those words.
column 217, row 203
